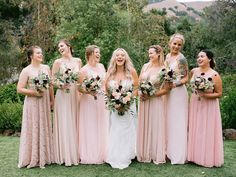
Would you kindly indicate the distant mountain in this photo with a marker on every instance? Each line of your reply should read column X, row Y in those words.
column 177, row 9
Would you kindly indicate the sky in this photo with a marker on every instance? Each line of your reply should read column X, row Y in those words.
column 192, row 0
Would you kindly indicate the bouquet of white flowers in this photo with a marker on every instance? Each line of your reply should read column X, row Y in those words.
column 119, row 99
column 41, row 82
column 66, row 77
column 167, row 75
column 146, row 87
column 202, row 84
column 92, row 84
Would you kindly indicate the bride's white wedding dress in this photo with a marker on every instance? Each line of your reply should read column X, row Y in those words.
column 122, row 134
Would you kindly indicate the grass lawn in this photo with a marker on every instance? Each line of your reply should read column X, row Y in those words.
column 9, row 158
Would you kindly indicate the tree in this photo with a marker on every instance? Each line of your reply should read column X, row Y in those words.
column 11, row 17
column 216, row 31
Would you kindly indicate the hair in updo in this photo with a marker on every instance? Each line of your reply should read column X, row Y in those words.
column 89, row 50
column 177, row 35
column 158, row 50
column 65, row 41
column 210, row 56
column 30, row 51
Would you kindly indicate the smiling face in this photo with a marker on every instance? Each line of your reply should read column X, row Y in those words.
column 176, row 45
column 63, row 49
column 120, row 58
column 203, row 60
column 153, row 55
column 37, row 55
column 96, row 55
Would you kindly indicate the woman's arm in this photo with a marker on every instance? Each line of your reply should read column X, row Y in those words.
column 21, row 86
column 183, row 68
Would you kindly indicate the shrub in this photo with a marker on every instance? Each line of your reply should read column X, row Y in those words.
column 10, row 116
column 228, row 111
column 228, row 101
column 8, row 94
column 229, row 82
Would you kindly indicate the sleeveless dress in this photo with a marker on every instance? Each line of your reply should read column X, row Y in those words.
column 36, row 132
column 65, row 135
column 122, row 134
column 93, row 125
column 177, row 119
column 205, row 142
column 151, row 136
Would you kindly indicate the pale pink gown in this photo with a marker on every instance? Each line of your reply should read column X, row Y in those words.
column 65, row 135
column 205, row 142
column 177, row 120
column 151, row 133
column 36, row 131
column 93, row 126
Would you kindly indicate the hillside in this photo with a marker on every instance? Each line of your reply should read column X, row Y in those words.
column 175, row 8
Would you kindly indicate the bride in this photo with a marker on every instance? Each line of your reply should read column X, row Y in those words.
column 121, row 75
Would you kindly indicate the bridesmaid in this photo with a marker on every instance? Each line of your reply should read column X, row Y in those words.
column 151, row 144
column 36, row 132
column 177, row 103
column 205, row 142
column 65, row 139
column 93, row 126
column 122, row 134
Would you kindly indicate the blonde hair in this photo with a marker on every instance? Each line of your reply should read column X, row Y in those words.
column 89, row 50
column 128, row 65
column 177, row 35
column 159, row 50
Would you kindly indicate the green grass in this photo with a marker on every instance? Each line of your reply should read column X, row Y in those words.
column 9, row 158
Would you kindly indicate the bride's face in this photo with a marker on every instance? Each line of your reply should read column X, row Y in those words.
column 120, row 58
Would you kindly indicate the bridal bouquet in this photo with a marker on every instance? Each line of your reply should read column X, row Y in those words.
column 202, row 84
column 41, row 82
column 119, row 99
column 92, row 84
column 146, row 87
column 67, row 77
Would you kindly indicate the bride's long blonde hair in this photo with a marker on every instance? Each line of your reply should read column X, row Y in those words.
column 128, row 65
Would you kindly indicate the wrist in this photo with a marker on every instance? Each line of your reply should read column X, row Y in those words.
column 178, row 83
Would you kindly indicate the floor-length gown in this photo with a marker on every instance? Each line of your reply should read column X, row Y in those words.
column 177, row 121
column 151, row 139
column 122, row 133
column 93, row 124
column 36, row 132
column 205, row 142
column 65, row 135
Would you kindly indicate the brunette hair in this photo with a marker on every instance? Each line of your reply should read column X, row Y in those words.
column 30, row 51
column 65, row 41
column 210, row 56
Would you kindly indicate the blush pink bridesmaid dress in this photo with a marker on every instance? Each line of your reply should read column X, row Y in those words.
column 205, row 142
